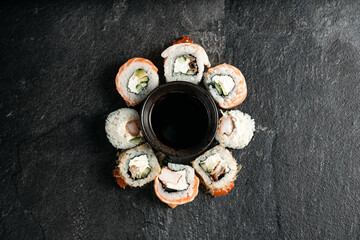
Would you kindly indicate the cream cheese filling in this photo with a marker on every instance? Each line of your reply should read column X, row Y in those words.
column 226, row 83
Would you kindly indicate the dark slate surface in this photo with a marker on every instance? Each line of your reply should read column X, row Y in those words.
column 301, row 173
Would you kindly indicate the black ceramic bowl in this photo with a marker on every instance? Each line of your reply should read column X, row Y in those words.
column 179, row 119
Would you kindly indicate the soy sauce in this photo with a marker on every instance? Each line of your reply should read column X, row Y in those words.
column 179, row 120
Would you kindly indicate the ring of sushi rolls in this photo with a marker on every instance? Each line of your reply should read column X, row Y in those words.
column 136, row 167
column 226, row 84
column 184, row 61
column 136, row 79
column 176, row 184
column 123, row 128
column 217, row 169
column 235, row 129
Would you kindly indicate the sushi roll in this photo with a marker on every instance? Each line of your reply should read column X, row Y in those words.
column 123, row 128
column 176, row 184
column 226, row 84
column 184, row 61
column 136, row 79
column 136, row 167
column 235, row 129
column 217, row 170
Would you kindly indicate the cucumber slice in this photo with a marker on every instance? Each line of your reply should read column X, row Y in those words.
column 145, row 173
column 137, row 140
column 189, row 72
column 203, row 166
column 141, row 86
column 218, row 88
column 181, row 59
column 140, row 73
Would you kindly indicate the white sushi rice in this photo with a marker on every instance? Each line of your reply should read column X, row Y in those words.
column 242, row 132
column 223, row 71
column 175, row 51
column 124, row 78
column 126, row 156
column 226, row 156
column 190, row 178
column 115, row 127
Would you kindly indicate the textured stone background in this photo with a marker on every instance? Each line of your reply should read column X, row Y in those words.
column 301, row 173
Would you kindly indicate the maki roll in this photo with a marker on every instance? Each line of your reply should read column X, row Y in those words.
column 184, row 61
column 123, row 128
column 235, row 129
column 217, row 170
column 176, row 184
column 226, row 84
column 136, row 79
column 136, row 167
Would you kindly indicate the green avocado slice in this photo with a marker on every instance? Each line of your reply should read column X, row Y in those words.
column 140, row 73
column 137, row 140
column 145, row 173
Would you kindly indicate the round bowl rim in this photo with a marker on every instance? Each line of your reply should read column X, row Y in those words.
column 171, row 87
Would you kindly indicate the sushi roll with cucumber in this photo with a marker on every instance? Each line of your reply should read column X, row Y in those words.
column 123, row 128
column 176, row 184
column 136, row 79
column 235, row 129
column 226, row 84
column 136, row 167
column 217, row 169
column 184, row 61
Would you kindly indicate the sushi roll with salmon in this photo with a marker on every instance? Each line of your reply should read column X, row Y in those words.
column 136, row 167
column 136, row 79
column 185, row 61
column 217, row 169
column 226, row 84
column 235, row 129
column 123, row 128
column 176, row 184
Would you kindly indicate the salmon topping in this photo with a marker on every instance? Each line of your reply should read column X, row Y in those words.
column 174, row 202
